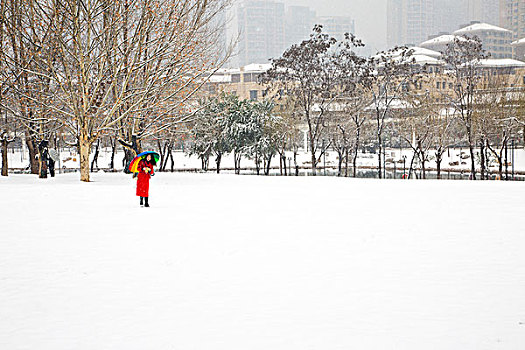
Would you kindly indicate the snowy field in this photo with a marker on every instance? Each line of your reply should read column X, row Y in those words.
column 261, row 263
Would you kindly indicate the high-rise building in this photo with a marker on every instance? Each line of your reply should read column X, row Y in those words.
column 409, row 21
column 266, row 30
column 485, row 11
column 512, row 16
column 300, row 21
column 396, row 20
column 449, row 15
column 420, row 21
column 261, row 24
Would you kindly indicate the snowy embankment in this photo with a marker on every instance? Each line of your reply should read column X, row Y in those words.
column 245, row 262
column 456, row 159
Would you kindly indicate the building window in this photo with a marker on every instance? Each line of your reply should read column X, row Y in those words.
column 236, row 78
column 438, row 85
column 444, row 85
column 253, row 94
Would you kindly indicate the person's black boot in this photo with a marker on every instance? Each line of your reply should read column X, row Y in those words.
column 141, row 201
column 147, row 204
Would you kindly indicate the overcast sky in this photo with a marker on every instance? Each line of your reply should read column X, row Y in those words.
column 369, row 15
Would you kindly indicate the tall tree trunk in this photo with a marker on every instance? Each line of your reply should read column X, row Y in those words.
column 162, row 155
column 267, row 168
column 170, row 152
column 95, row 157
column 33, row 162
column 439, row 159
column 356, row 150
column 340, row 163
column 113, row 151
column 312, row 152
column 411, row 169
column 131, row 149
column 422, row 158
column 257, row 164
column 84, row 146
column 380, row 148
column 482, row 155
column 5, row 165
column 472, row 158
column 506, row 161
column 423, row 166
column 347, row 155
column 295, row 162
column 218, row 162
column 237, row 162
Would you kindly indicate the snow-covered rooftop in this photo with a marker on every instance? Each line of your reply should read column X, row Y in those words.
column 424, row 59
column 520, row 42
column 480, row 27
column 220, row 78
column 441, row 40
column 419, row 55
column 426, row 52
column 255, row 67
column 502, row 63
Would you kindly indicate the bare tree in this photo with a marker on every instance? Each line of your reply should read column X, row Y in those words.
column 442, row 126
column 394, row 72
column 354, row 75
column 307, row 74
column 463, row 57
column 110, row 66
column 496, row 116
column 415, row 125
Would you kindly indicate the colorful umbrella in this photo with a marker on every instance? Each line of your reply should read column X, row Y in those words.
column 133, row 166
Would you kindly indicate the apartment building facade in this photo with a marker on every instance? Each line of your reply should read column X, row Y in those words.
column 512, row 17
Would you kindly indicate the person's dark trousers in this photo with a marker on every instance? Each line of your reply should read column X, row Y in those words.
column 51, row 167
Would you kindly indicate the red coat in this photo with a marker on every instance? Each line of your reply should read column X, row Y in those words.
column 143, row 178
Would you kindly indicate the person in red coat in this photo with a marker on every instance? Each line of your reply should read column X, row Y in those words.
column 145, row 173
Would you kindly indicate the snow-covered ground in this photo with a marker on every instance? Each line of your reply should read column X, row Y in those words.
column 225, row 262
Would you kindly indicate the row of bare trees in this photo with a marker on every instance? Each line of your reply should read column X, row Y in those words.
column 90, row 69
column 346, row 102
